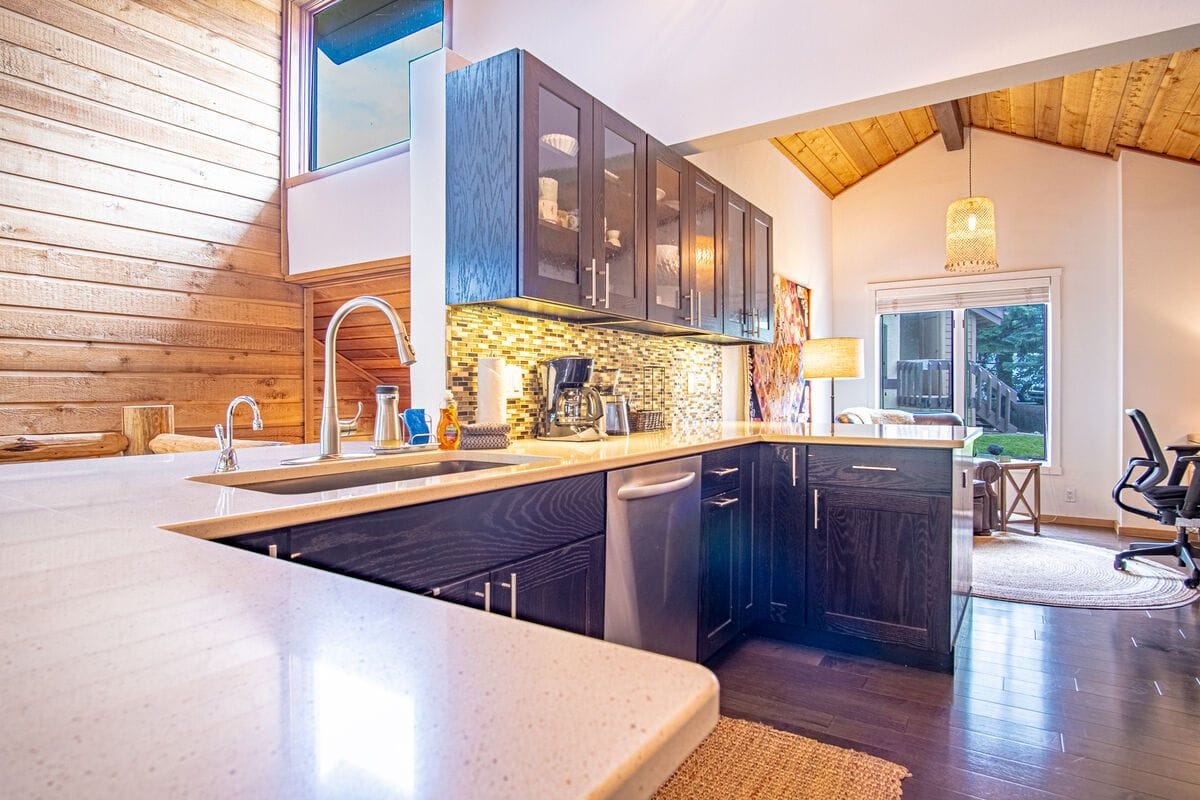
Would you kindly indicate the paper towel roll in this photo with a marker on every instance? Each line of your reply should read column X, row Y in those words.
column 491, row 401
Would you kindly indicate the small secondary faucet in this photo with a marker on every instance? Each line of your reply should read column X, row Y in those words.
column 227, row 460
column 331, row 441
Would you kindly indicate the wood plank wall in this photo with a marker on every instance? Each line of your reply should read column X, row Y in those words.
column 365, row 343
column 139, row 215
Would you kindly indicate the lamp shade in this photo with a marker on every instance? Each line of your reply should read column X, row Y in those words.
column 836, row 357
column 971, row 235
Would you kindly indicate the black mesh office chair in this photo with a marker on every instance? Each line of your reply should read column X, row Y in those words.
column 1173, row 503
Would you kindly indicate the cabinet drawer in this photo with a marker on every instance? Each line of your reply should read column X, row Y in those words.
column 423, row 546
column 721, row 470
column 922, row 470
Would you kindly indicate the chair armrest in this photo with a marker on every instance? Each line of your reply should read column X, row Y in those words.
column 987, row 470
column 1191, row 501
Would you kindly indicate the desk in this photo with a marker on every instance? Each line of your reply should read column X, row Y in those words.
column 1011, row 476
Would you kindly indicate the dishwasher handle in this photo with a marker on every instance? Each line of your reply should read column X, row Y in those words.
column 638, row 491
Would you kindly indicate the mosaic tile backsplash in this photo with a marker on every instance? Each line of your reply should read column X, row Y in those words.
column 693, row 369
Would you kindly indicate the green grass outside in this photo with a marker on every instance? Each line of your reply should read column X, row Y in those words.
column 1017, row 445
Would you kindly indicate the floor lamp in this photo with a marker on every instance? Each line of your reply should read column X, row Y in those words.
column 833, row 358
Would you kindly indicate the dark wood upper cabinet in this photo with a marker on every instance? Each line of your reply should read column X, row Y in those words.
column 668, row 280
column 703, row 228
column 558, row 201
column 760, row 273
column 736, row 265
column 620, row 217
column 557, row 205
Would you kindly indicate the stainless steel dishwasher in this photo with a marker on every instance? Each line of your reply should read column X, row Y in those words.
column 652, row 557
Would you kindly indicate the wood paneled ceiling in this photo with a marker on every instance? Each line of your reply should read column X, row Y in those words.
column 1151, row 105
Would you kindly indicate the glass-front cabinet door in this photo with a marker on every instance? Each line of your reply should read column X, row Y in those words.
column 761, row 305
column 737, row 277
column 559, row 206
column 669, row 284
column 619, row 241
column 704, row 253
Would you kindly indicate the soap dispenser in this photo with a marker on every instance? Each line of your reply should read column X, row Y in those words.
column 449, row 433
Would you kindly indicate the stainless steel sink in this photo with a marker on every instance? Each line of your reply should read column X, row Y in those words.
column 351, row 473
column 404, row 472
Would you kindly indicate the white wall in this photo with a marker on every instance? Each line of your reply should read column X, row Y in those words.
column 687, row 70
column 1161, row 292
column 802, row 218
column 428, row 266
column 1054, row 207
column 350, row 217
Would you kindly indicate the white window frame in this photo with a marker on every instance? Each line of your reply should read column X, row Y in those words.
column 1052, row 465
column 297, row 94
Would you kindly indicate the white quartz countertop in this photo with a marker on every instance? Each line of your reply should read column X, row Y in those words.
column 137, row 661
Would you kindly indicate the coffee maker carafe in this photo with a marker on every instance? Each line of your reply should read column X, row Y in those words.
column 572, row 410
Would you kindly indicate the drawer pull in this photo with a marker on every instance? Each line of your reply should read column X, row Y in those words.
column 816, row 509
column 723, row 472
column 728, row 501
column 874, row 469
column 486, row 594
column 793, row 466
column 273, row 550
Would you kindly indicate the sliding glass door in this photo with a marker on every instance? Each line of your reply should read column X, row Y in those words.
column 987, row 364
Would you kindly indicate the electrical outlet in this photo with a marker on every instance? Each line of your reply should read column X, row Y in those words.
column 1069, row 495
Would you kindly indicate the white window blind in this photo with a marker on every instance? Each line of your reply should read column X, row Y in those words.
column 963, row 294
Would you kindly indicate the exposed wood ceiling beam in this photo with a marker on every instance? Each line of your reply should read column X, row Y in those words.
column 950, row 123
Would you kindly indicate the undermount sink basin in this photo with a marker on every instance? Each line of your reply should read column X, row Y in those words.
column 352, row 472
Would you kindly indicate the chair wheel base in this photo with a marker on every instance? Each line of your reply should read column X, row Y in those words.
column 1192, row 582
column 1119, row 564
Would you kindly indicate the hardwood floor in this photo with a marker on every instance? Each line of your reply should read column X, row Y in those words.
column 1045, row 702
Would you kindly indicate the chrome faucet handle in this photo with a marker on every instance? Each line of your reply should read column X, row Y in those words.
column 227, row 458
column 349, row 426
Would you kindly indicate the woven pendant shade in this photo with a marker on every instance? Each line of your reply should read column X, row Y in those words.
column 971, row 235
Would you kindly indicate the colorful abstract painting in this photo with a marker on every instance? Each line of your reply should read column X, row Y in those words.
column 777, row 392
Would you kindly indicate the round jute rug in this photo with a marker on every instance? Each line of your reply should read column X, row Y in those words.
column 1052, row 572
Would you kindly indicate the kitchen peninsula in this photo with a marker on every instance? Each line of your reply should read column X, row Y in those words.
column 134, row 645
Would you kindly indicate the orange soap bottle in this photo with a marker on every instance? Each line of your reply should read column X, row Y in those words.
column 448, row 432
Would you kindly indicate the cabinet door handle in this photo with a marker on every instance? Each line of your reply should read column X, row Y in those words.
column 691, row 309
column 486, row 594
column 793, row 467
column 728, row 501
column 607, row 269
column 592, row 296
column 875, row 469
column 699, row 307
column 273, row 550
column 722, row 472
column 512, row 593
column 816, row 509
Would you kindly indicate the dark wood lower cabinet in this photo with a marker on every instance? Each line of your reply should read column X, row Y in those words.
column 799, row 542
column 785, row 527
column 563, row 588
column 879, row 566
column 721, row 553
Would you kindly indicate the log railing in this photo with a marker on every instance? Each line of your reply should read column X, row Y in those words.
column 144, row 429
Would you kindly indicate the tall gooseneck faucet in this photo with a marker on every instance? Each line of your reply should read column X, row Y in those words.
column 331, row 441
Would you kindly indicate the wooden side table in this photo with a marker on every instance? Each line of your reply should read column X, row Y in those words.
column 1023, row 478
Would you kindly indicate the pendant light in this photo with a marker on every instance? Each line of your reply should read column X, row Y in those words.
column 971, row 229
